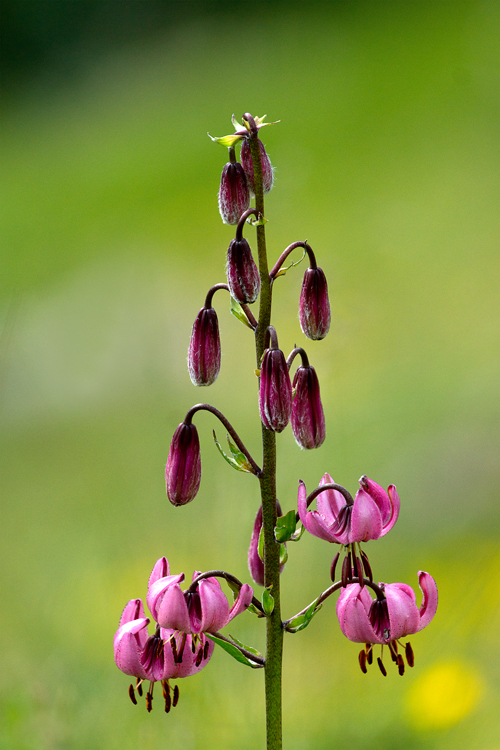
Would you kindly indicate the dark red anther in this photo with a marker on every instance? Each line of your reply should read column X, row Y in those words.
column 166, row 695
column 409, row 655
column 199, row 657
column 176, row 696
column 345, row 571
column 138, row 686
column 381, row 666
column 205, row 649
column 362, row 661
column 149, row 701
column 359, row 568
column 369, row 653
column 173, row 646
column 393, row 651
column 367, row 566
column 131, row 693
column 334, row 566
column 401, row 664
column 181, row 650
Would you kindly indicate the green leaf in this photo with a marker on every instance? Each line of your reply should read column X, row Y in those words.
column 227, row 140
column 233, row 651
column 247, row 648
column 295, row 537
column 237, row 459
column 283, row 271
column 260, row 547
column 267, row 601
column 252, row 608
column 260, row 221
column 237, row 311
column 283, row 554
column 302, row 621
column 285, row 526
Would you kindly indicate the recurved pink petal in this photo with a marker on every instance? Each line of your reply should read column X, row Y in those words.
column 214, row 607
column 172, row 611
column 312, row 520
column 243, row 600
column 353, row 618
column 430, row 598
column 366, row 522
column 403, row 613
column 378, row 494
column 133, row 610
column 157, row 589
column 160, row 570
column 394, row 512
column 329, row 502
column 127, row 646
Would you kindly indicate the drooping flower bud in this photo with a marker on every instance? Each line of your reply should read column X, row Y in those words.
column 242, row 274
column 183, row 469
column 308, row 419
column 275, row 393
column 234, row 193
column 204, row 348
column 314, row 305
column 247, row 164
column 255, row 562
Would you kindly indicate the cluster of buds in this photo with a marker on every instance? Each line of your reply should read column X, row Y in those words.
column 237, row 183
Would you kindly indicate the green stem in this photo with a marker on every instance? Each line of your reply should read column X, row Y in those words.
column 274, row 650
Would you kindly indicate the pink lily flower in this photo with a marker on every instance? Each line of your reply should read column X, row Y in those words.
column 205, row 610
column 373, row 513
column 388, row 618
column 158, row 658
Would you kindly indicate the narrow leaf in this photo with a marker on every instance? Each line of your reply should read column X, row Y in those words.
column 285, row 526
column 236, row 310
column 260, row 548
column 233, row 651
column 232, row 461
column 267, row 602
column 247, row 648
column 283, row 271
column 302, row 621
column 283, row 554
column 239, row 457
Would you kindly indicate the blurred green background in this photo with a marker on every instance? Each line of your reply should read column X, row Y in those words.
column 386, row 160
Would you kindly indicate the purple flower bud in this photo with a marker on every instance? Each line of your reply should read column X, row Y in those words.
column 234, row 193
column 242, row 274
column 314, row 306
column 255, row 563
column 247, row 164
column 204, row 348
column 183, row 469
column 275, row 393
column 308, row 420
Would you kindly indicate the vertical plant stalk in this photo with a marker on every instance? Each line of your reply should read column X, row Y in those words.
column 274, row 633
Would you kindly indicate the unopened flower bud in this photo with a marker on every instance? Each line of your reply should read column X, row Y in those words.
column 183, row 469
column 242, row 274
column 247, row 164
column 308, row 419
column 204, row 348
column 275, row 393
column 234, row 193
column 314, row 305
column 255, row 562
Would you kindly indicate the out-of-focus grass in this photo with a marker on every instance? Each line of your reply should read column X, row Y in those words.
column 386, row 160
